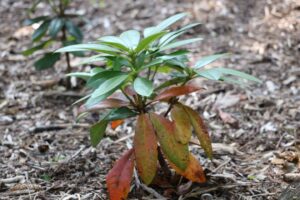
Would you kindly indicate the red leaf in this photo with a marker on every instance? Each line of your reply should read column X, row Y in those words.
column 116, row 123
column 145, row 149
column 176, row 91
column 104, row 104
column 193, row 172
column 119, row 177
column 174, row 151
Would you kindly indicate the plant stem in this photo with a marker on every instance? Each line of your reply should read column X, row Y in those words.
column 163, row 163
column 129, row 99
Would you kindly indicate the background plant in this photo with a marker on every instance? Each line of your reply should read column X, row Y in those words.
column 127, row 87
column 57, row 27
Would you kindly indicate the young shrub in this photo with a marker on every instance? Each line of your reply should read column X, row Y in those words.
column 125, row 87
column 57, row 27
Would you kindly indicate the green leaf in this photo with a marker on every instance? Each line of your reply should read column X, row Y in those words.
column 95, row 100
column 169, row 37
column 38, row 33
column 173, row 81
column 97, row 132
column 180, row 43
column 28, row 22
column 174, row 151
column 121, row 113
column 47, row 61
column 36, row 48
column 89, row 47
column 109, row 85
column 169, row 21
column 97, row 79
column 92, row 59
column 114, row 42
column 163, row 25
column 144, row 44
column 218, row 73
column 153, row 63
column 74, row 30
column 209, row 59
column 131, row 38
column 82, row 75
column 55, row 26
column 143, row 86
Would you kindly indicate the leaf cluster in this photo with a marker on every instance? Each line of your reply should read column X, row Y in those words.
column 127, row 86
column 56, row 27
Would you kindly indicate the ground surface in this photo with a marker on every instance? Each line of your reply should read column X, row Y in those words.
column 44, row 155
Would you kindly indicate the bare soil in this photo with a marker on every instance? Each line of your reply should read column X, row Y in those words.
column 44, row 154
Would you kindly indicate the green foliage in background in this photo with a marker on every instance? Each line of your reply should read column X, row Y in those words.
column 56, row 27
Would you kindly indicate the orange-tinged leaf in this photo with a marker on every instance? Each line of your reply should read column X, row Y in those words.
column 174, row 151
column 193, row 172
column 116, row 123
column 145, row 149
column 119, row 177
column 200, row 130
column 183, row 127
column 176, row 91
column 104, row 104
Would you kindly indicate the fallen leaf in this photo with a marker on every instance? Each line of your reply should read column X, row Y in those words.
column 114, row 124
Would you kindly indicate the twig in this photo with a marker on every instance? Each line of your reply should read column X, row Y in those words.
column 56, row 127
column 12, row 180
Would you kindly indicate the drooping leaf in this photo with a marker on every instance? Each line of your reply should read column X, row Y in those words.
column 97, row 132
column 89, row 47
column 74, row 30
column 183, row 127
column 38, row 33
column 55, row 26
column 109, row 85
column 218, row 73
column 91, row 101
column 180, row 43
column 193, row 171
column 47, row 61
column 174, row 151
column 145, row 149
column 143, row 86
column 200, row 130
column 131, row 38
column 104, row 104
column 176, row 91
column 209, row 59
column 114, row 124
column 119, row 177
column 144, row 43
